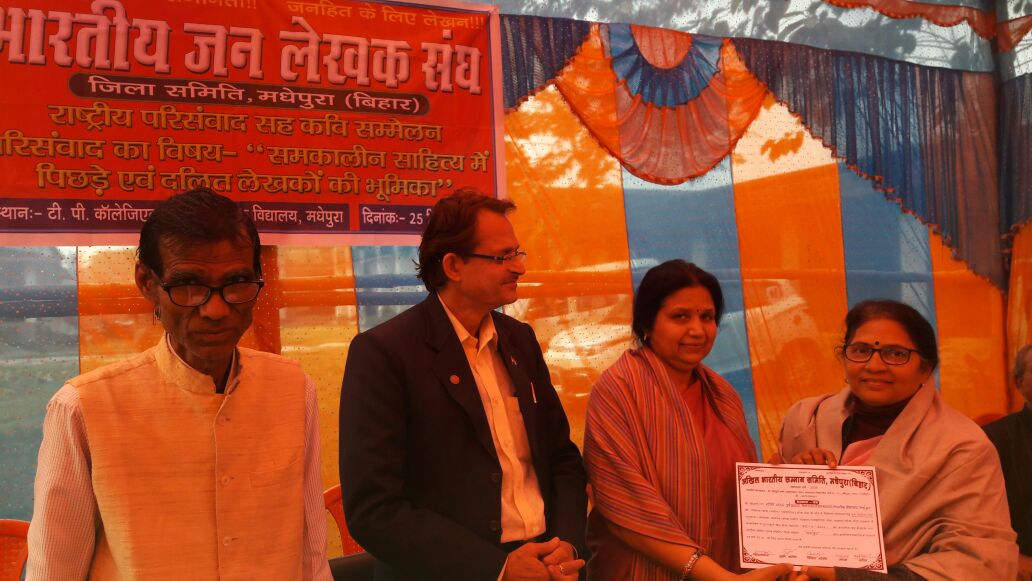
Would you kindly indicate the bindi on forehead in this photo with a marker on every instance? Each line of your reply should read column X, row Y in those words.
column 693, row 310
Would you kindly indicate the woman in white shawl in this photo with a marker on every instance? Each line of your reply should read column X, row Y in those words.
column 943, row 502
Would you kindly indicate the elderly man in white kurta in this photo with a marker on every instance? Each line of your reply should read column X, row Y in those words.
column 195, row 459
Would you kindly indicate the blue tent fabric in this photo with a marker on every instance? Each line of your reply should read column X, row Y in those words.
column 915, row 130
column 664, row 87
column 1015, row 152
column 534, row 50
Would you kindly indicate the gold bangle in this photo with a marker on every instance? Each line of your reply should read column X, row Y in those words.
column 686, row 571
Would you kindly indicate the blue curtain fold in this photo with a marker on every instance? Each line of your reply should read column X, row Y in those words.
column 1015, row 152
column 534, row 50
column 926, row 136
column 664, row 87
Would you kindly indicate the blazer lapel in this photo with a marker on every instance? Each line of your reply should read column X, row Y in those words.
column 526, row 391
column 451, row 368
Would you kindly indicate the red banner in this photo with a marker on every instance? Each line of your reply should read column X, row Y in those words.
column 329, row 120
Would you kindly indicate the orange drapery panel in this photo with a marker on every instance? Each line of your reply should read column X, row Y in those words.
column 791, row 251
column 665, row 145
column 971, row 350
column 1010, row 33
column 981, row 21
column 570, row 219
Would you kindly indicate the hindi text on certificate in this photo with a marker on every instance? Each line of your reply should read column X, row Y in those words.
column 809, row 515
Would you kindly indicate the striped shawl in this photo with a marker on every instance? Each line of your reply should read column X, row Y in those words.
column 646, row 458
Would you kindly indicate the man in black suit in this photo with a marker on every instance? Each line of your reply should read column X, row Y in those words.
column 1012, row 436
column 455, row 456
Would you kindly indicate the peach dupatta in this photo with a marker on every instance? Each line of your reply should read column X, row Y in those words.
column 943, row 502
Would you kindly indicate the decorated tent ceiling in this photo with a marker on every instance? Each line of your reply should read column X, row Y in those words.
column 980, row 21
column 948, row 36
column 814, row 23
column 670, row 105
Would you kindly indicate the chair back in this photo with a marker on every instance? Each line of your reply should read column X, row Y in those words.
column 14, row 548
column 334, row 504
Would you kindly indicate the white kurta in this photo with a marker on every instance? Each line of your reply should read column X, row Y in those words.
column 172, row 473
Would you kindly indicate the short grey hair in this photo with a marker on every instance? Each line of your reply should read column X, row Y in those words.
column 1019, row 360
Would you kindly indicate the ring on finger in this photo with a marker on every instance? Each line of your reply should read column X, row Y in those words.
column 562, row 569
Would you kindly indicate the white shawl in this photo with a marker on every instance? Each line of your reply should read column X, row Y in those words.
column 943, row 501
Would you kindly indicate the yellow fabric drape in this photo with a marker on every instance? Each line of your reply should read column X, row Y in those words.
column 570, row 219
column 793, row 271
column 971, row 338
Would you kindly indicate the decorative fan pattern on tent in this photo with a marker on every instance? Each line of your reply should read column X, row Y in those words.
column 659, row 143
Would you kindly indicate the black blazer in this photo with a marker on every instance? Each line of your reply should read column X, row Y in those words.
column 419, row 473
column 1012, row 437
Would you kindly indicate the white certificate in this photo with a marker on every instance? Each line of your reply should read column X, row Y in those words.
column 809, row 515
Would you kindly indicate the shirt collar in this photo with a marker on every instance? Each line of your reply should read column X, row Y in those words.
column 176, row 371
column 486, row 334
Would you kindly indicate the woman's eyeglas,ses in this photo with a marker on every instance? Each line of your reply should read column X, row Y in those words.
column 890, row 354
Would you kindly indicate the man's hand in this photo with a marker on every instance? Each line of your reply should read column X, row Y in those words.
column 561, row 563
column 525, row 563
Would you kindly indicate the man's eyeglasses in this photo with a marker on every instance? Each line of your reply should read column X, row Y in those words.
column 194, row 295
column 890, row 354
column 503, row 259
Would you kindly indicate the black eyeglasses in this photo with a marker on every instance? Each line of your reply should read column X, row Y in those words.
column 503, row 259
column 890, row 354
column 193, row 294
